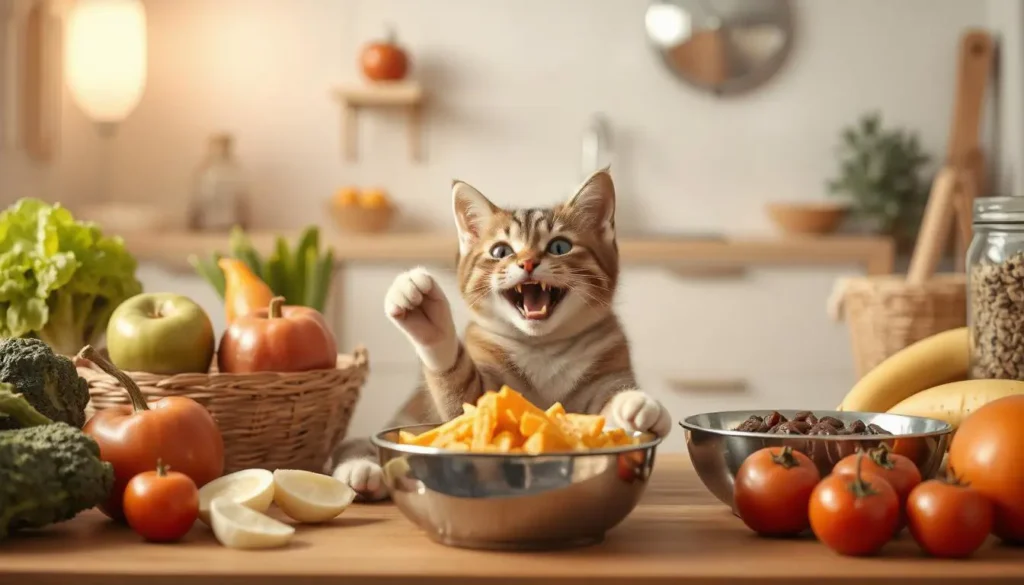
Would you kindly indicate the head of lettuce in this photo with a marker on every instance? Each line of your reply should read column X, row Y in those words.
column 60, row 279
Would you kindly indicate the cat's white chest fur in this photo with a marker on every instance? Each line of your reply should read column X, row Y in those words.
column 555, row 370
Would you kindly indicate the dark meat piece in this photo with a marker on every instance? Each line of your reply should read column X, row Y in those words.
column 857, row 427
column 793, row 427
column 805, row 423
column 833, row 421
column 823, row 428
column 874, row 429
column 754, row 424
column 774, row 418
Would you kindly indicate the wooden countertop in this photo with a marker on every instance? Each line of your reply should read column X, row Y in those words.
column 875, row 254
column 678, row 534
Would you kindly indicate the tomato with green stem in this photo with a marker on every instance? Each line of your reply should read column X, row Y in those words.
column 898, row 470
column 948, row 518
column 161, row 505
column 854, row 515
column 772, row 489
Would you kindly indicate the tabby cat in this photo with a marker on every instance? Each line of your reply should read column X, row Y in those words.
column 539, row 284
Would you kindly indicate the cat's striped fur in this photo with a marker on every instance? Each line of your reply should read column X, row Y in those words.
column 577, row 354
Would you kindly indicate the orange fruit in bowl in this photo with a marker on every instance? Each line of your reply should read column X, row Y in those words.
column 374, row 199
column 347, row 197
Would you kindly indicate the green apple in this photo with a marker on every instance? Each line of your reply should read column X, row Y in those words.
column 161, row 333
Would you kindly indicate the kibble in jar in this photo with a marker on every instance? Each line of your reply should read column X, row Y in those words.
column 995, row 288
column 997, row 319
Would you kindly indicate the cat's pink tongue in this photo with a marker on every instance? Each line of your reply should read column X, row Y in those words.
column 536, row 301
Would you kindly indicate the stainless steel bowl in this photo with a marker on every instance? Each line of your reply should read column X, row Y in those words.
column 514, row 502
column 717, row 451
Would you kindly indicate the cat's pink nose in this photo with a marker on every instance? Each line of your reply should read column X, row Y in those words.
column 528, row 265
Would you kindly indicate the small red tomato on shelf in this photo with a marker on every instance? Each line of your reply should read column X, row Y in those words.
column 161, row 505
column 948, row 518
column 854, row 515
column 772, row 489
column 384, row 60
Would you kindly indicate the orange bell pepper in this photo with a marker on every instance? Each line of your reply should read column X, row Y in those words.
column 244, row 292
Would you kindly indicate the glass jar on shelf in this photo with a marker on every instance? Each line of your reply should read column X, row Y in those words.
column 995, row 288
column 220, row 196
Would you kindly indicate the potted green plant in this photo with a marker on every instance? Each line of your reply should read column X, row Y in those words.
column 881, row 176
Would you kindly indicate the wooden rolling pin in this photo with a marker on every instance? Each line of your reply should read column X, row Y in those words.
column 935, row 227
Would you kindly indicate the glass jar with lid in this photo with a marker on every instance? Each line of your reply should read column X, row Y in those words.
column 995, row 288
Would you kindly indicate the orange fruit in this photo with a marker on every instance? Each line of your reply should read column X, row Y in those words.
column 374, row 198
column 347, row 197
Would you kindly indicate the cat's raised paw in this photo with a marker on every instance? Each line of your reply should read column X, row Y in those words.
column 408, row 292
column 363, row 476
column 417, row 305
column 634, row 410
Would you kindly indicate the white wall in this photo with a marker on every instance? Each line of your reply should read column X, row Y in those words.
column 72, row 175
column 513, row 83
column 1006, row 20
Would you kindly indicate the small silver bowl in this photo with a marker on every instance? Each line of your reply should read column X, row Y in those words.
column 717, row 451
column 514, row 502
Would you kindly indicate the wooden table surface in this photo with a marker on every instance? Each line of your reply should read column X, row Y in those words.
column 679, row 534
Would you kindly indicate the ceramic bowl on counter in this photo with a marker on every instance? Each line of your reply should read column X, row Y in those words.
column 512, row 501
column 717, row 451
column 806, row 218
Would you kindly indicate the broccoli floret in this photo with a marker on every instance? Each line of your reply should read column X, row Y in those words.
column 49, row 381
column 49, row 472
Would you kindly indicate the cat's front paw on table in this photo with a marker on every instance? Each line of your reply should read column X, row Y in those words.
column 634, row 410
column 363, row 476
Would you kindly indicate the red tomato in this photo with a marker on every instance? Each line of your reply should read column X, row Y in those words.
column 949, row 519
column 772, row 490
column 899, row 471
column 384, row 60
column 854, row 515
column 161, row 505
column 986, row 453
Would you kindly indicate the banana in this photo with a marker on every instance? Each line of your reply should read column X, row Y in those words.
column 953, row 402
column 938, row 359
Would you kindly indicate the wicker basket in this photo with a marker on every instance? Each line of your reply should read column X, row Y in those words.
column 268, row 420
column 886, row 314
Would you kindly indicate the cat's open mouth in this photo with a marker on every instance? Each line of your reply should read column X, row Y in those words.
column 535, row 300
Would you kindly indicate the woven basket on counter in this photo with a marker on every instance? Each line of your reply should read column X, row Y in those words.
column 268, row 420
column 886, row 313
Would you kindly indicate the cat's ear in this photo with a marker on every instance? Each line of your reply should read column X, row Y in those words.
column 472, row 212
column 594, row 202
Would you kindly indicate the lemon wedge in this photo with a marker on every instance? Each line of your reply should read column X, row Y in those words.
column 310, row 497
column 237, row 526
column 252, row 488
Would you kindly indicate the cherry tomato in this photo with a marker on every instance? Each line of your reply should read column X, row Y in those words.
column 898, row 470
column 630, row 467
column 854, row 515
column 161, row 505
column 772, row 490
column 948, row 518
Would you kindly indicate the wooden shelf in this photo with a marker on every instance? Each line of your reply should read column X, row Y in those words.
column 356, row 97
column 876, row 255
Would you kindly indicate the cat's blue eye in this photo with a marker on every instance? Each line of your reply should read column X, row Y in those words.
column 501, row 251
column 559, row 246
